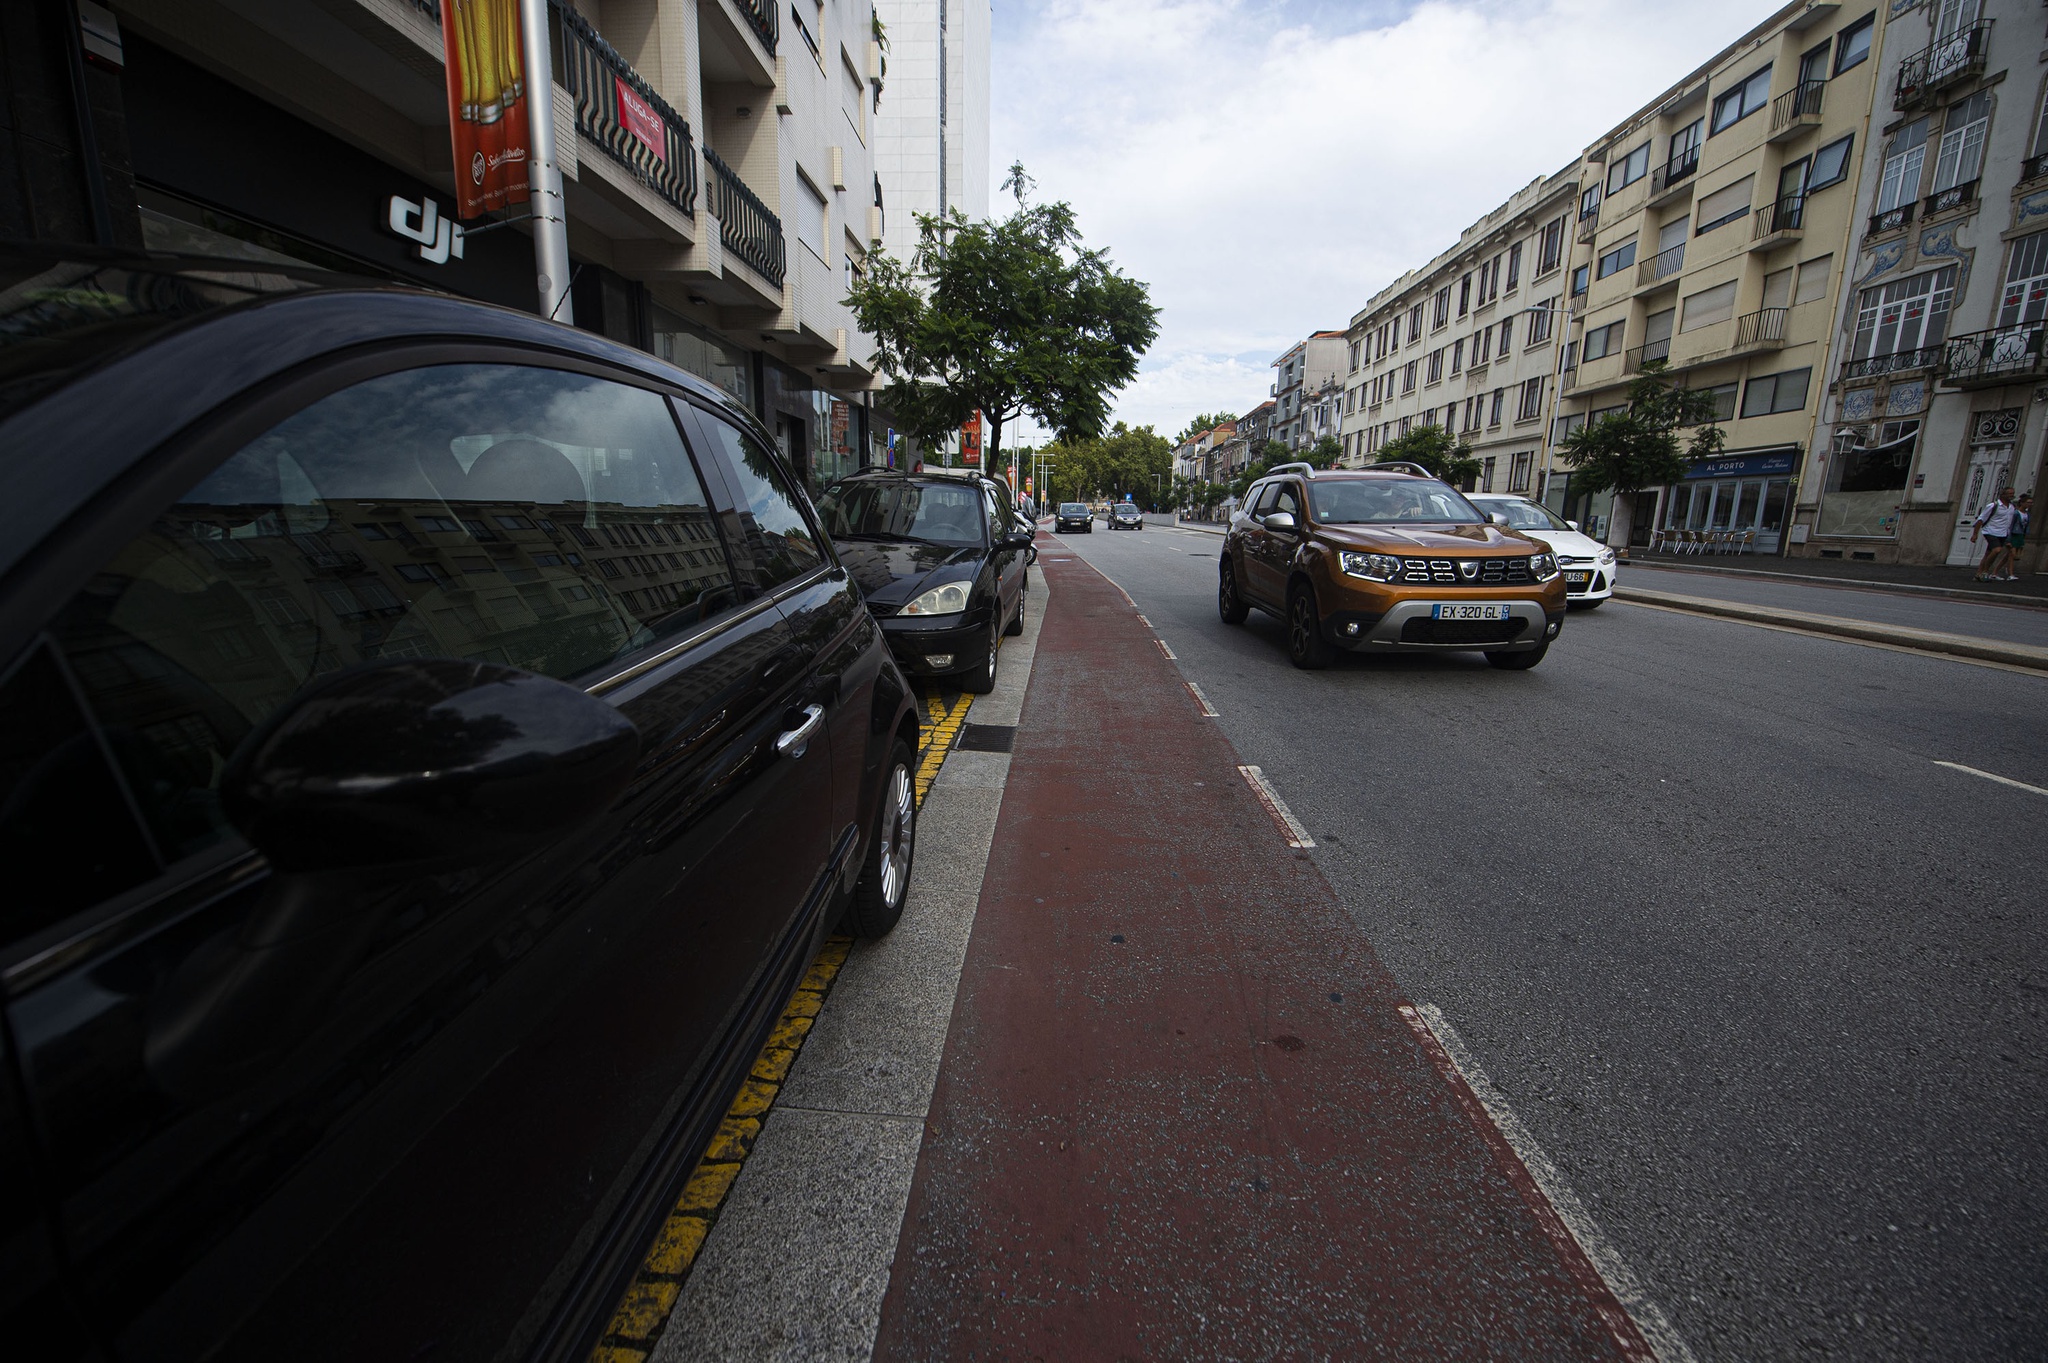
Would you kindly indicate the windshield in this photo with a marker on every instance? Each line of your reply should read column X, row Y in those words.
column 1126, row 509
column 1377, row 501
column 1073, row 508
column 1522, row 515
column 950, row 514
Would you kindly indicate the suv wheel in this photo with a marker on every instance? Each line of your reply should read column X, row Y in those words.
column 1520, row 662
column 1306, row 646
column 878, row 895
column 1229, row 604
column 982, row 680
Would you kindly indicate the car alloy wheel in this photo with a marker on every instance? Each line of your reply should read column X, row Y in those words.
column 1306, row 647
column 1228, row 605
column 885, row 880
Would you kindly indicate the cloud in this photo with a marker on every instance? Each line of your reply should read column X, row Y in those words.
column 1267, row 166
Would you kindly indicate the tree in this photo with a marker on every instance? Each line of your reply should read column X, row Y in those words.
column 1200, row 422
column 1628, row 451
column 1435, row 449
column 1006, row 318
column 1132, row 462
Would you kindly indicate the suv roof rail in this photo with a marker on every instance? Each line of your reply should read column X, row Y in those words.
column 1402, row 466
column 1306, row 469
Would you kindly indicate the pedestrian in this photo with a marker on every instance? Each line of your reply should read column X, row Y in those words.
column 2016, row 540
column 1994, row 522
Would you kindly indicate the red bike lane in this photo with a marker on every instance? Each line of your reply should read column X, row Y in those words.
column 1181, row 1113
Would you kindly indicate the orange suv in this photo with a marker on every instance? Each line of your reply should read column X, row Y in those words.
column 1387, row 559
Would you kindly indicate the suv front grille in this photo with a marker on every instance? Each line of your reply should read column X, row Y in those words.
column 1493, row 572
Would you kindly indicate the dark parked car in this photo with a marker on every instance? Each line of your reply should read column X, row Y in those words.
column 942, row 562
column 1124, row 516
column 432, row 744
column 1074, row 516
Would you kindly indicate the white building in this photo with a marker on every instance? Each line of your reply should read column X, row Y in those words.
column 931, row 148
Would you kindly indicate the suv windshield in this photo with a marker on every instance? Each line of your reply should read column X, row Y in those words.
column 948, row 513
column 1522, row 515
column 1379, row 500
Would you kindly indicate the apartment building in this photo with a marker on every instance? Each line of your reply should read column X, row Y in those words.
column 1308, row 368
column 1935, row 397
column 1712, row 233
column 931, row 151
column 1469, row 341
column 716, row 154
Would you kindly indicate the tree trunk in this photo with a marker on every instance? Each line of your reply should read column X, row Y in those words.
column 995, row 442
column 1622, row 520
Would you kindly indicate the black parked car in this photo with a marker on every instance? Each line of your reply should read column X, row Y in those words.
column 432, row 743
column 1124, row 516
column 1074, row 516
column 942, row 562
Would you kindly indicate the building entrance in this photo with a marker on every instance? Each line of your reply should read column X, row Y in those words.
column 1990, row 470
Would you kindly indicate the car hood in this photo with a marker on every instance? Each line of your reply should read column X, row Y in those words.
column 1568, row 542
column 1428, row 539
column 891, row 573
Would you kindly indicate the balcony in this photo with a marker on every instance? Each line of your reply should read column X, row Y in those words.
column 1661, row 270
column 1589, row 227
column 1989, row 359
column 1875, row 366
column 1949, row 200
column 1763, row 329
column 1797, row 111
column 748, row 228
column 1656, row 352
column 1892, row 219
column 619, row 112
column 2033, row 168
column 1778, row 224
column 1958, row 57
column 1673, row 180
column 764, row 18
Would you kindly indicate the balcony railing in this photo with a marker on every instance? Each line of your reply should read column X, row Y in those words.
column 1679, row 168
column 1874, row 366
column 620, row 112
column 1950, row 199
column 2033, row 168
column 1799, row 103
column 1589, row 227
column 1663, row 265
column 748, row 227
column 2008, row 355
column 1783, row 216
column 1764, row 327
column 1634, row 360
column 1892, row 219
column 764, row 18
column 1956, row 57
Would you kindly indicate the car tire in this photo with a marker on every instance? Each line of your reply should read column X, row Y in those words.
column 1519, row 662
column 1229, row 604
column 885, row 877
column 981, row 680
column 1306, row 647
column 1016, row 626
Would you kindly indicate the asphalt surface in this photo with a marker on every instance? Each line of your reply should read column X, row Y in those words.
column 2009, row 624
column 1763, row 979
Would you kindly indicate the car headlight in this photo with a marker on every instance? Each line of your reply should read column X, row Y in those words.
column 1544, row 566
column 1607, row 556
column 950, row 599
column 1374, row 567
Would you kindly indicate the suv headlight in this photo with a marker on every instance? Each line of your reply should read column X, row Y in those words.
column 950, row 599
column 1544, row 566
column 1375, row 567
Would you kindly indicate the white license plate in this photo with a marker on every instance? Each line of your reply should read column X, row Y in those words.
column 1577, row 579
column 1468, row 610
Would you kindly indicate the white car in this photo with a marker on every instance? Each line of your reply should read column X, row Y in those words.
column 1589, row 566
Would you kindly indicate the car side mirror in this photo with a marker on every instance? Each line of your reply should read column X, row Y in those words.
column 1495, row 518
column 1571, row 525
column 1019, row 540
column 1279, row 521
column 430, row 762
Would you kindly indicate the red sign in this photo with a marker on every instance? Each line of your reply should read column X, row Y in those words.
column 637, row 116
column 487, row 103
column 970, row 441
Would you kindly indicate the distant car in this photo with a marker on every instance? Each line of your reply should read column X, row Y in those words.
column 941, row 560
column 1074, row 516
column 1124, row 516
column 1589, row 566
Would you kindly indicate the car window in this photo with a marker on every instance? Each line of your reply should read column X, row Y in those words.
column 998, row 523
column 1523, row 515
column 1258, row 499
column 939, row 513
column 518, row 515
column 1372, row 501
column 781, row 546
column 1287, row 497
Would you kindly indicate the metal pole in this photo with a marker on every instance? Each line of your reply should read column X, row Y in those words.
column 544, row 173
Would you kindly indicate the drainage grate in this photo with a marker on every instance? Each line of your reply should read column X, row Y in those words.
column 986, row 738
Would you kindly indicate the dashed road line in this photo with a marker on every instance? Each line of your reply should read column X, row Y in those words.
column 1208, row 710
column 1143, row 621
column 1641, row 1329
column 1167, row 651
column 1283, row 818
column 1992, row 776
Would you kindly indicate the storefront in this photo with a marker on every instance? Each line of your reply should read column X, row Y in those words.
column 1743, row 497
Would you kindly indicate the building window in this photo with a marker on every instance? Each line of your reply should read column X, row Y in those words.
column 1465, row 294
column 1724, row 205
column 1441, row 316
column 1482, row 346
column 1903, row 157
column 1539, row 321
column 1907, row 314
column 1415, row 324
column 1683, row 156
column 1589, row 202
column 1831, row 164
column 1436, row 366
column 1852, row 44
column 1493, row 412
column 2025, row 300
column 1620, row 258
column 1550, row 253
column 1768, row 394
column 1486, row 473
column 1961, row 156
column 1723, row 396
column 1813, row 279
column 1579, row 280
column 1744, row 100
column 1457, row 356
column 1708, row 306
column 1408, row 378
column 1514, row 266
column 1626, row 170
column 1518, row 470
column 1531, row 405
column 1354, row 357
column 1603, row 341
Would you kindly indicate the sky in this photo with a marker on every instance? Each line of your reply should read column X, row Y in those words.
column 1266, row 166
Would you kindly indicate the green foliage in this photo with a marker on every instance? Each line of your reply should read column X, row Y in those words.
column 1008, row 318
column 1435, row 449
column 1200, row 422
column 1129, row 463
column 1629, row 451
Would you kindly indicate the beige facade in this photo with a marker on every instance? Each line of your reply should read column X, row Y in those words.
column 1712, row 233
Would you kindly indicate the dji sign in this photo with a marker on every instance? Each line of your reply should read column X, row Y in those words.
column 438, row 238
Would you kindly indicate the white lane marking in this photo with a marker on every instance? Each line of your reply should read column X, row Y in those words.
column 1621, row 1280
column 1290, row 827
column 1839, row 639
column 1991, row 776
column 1143, row 621
column 1164, row 649
column 1208, row 710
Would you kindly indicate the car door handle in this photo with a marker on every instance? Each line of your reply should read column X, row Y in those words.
column 792, row 743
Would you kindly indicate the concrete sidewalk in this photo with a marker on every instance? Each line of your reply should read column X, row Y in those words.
column 1183, row 1110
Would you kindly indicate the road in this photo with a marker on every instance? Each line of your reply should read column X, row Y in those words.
column 1763, row 979
column 2010, row 624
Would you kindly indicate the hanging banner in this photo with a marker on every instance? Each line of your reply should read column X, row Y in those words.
column 487, row 103
column 970, row 441
column 637, row 117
